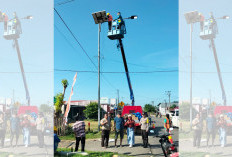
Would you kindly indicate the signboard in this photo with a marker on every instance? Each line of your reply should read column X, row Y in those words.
column 197, row 101
column 205, row 102
column 104, row 100
column 112, row 101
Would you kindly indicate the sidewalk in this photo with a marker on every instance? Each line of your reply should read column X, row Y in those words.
column 186, row 145
column 32, row 150
column 95, row 145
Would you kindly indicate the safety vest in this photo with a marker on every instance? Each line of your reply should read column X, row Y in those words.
column 167, row 124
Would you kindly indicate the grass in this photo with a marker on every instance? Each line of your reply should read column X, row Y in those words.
column 90, row 153
column 88, row 135
column 186, row 133
column 93, row 134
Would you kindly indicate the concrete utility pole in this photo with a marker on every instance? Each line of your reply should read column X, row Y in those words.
column 191, row 75
column 169, row 96
column 99, row 92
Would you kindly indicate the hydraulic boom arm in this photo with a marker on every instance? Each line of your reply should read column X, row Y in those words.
column 22, row 72
column 218, row 71
column 127, row 72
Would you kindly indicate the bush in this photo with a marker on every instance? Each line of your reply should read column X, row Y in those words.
column 91, row 111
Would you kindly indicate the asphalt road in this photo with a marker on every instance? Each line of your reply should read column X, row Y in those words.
column 159, row 129
column 153, row 151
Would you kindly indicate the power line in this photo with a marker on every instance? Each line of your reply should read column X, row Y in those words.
column 81, row 45
column 75, row 38
column 64, row 2
column 115, row 72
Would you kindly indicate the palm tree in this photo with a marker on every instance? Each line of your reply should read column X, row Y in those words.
column 65, row 85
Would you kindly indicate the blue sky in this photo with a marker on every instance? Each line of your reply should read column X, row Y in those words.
column 206, row 81
column 151, row 43
column 36, row 45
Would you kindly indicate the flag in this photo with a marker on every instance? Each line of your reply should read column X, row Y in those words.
column 69, row 100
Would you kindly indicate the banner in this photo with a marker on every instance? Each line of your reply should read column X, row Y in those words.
column 69, row 100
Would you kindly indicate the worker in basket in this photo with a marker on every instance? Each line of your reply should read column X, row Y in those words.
column 110, row 19
column 120, row 20
column 167, row 123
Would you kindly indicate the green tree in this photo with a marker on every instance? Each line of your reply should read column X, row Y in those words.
column 45, row 108
column 58, row 103
column 64, row 83
column 149, row 108
column 91, row 111
column 173, row 106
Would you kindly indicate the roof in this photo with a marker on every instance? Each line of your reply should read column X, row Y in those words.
column 80, row 102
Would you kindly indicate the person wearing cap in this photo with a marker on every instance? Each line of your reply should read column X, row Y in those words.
column 119, row 128
column 26, row 125
column 40, row 126
column 105, row 131
column 130, row 124
column 202, row 20
column 56, row 139
column 110, row 19
column 144, row 122
column 222, row 124
column 197, row 130
column 5, row 19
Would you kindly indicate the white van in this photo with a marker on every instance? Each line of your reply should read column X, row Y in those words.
column 175, row 118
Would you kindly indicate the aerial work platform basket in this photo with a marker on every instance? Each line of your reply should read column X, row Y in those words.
column 209, row 30
column 13, row 30
column 117, row 31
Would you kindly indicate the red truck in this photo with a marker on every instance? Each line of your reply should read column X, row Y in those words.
column 227, row 112
column 130, row 110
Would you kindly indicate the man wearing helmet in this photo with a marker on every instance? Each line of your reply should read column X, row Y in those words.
column 110, row 19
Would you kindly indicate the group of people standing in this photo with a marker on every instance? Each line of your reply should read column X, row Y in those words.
column 22, row 125
column 213, row 126
column 119, row 125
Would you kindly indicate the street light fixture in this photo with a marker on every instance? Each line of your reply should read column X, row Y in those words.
column 99, row 18
column 191, row 18
column 224, row 17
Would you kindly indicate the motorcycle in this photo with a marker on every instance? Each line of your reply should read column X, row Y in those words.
column 167, row 145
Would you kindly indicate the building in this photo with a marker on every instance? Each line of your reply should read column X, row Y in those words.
column 164, row 107
column 77, row 107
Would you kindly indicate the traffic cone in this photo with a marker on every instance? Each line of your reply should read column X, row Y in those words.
column 153, row 125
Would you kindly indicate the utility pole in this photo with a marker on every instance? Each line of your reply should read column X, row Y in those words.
column 99, row 105
column 191, row 82
column 169, row 96
column 99, row 18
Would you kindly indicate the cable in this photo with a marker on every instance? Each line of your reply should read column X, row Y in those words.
column 75, row 38
column 64, row 2
column 114, row 72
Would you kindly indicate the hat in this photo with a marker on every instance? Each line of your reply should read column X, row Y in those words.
column 129, row 115
column 221, row 115
column 55, row 128
column 108, row 14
